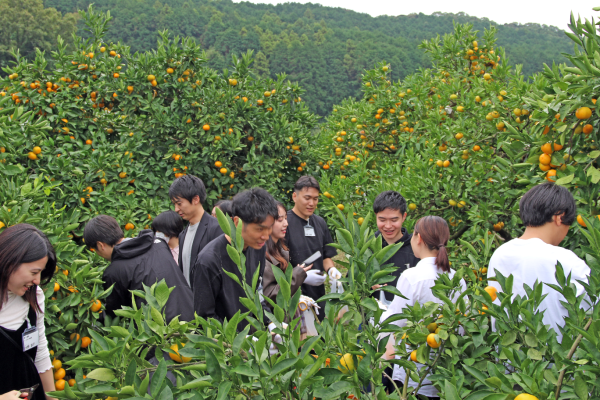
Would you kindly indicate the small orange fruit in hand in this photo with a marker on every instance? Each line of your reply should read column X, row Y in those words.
column 96, row 306
column 178, row 358
column 432, row 342
column 492, row 292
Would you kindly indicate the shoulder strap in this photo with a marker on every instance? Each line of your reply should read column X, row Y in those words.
column 16, row 345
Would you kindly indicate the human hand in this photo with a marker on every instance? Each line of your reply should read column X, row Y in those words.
column 12, row 395
column 377, row 287
column 314, row 278
column 334, row 273
column 306, row 267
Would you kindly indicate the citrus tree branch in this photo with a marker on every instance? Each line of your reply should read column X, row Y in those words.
column 571, row 352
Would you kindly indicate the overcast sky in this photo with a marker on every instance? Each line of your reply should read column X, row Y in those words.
column 551, row 12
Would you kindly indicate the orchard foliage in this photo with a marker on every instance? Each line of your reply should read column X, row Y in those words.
column 106, row 131
column 466, row 138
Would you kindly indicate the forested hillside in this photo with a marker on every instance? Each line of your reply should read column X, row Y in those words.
column 324, row 49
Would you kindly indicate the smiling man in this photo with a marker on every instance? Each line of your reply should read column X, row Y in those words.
column 390, row 211
column 187, row 194
column 216, row 295
column 307, row 233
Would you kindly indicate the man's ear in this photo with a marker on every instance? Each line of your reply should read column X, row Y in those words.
column 294, row 196
column 557, row 219
column 235, row 220
column 196, row 200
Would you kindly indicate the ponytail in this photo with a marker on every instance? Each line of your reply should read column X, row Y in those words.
column 435, row 233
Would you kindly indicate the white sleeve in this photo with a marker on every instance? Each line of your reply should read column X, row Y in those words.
column 42, row 358
column 398, row 304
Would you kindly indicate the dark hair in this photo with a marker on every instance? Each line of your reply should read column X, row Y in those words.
column 435, row 233
column 254, row 205
column 103, row 229
column 306, row 181
column 20, row 244
column 389, row 199
column 225, row 206
column 544, row 201
column 276, row 249
column 187, row 187
column 168, row 222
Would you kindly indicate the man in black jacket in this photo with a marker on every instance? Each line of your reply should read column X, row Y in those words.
column 188, row 193
column 306, row 234
column 216, row 295
column 390, row 211
column 134, row 261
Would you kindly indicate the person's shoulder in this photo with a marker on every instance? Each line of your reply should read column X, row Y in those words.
column 214, row 246
column 568, row 258
column 318, row 219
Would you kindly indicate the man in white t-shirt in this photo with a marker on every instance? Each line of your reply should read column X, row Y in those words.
column 187, row 194
column 547, row 211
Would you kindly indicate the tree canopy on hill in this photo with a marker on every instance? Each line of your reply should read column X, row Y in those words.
column 324, row 49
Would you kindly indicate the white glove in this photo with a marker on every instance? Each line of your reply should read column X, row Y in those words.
column 305, row 302
column 313, row 278
column 334, row 273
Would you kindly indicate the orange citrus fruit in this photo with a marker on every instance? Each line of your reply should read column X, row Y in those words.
column 492, row 292
column 432, row 342
column 178, row 358
column 96, row 306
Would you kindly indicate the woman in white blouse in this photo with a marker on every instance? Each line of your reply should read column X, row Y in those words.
column 428, row 243
column 27, row 259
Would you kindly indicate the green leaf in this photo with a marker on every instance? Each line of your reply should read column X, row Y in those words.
column 212, row 366
column 196, row 384
column 364, row 370
column 565, row 179
column 223, row 222
column 594, row 174
column 243, row 369
column 494, row 382
column 581, row 388
column 161, row 293
column 158, row 378
column 450, row 391
column 283, row 365
column 119, row 331
column 333, row 391
column 101, row 374
column 508, row 338
column 223, row 392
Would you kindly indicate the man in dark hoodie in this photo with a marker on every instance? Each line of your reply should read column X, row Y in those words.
column 390, row 212
column 216, row 295
column 134, row 261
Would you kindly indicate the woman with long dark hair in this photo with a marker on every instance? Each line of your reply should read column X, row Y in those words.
column 429, row 241
column 278, row 256
column 27, row 259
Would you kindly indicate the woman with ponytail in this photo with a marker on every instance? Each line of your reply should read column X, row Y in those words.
column 428, row 243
